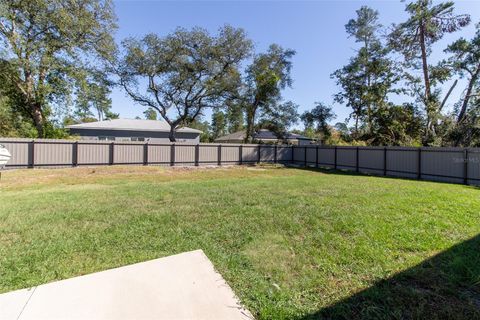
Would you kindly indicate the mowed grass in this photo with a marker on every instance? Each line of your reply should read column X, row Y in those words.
column 292, row 243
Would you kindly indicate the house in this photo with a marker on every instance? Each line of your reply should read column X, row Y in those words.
column 132, row 130
column 265, row 136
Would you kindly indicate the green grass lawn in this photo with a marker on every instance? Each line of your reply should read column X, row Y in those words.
column 292, row 243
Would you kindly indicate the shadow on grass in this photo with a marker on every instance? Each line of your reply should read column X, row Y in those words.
column 446, row 286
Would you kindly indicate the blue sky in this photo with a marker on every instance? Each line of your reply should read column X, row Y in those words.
column 315, row 29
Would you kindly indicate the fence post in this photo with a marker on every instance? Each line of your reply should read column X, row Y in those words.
column 384, row 161
column 145, row 154
column 197, row 155
column 275, row 154
column 240, row 153
column 357, row 161
column 316, row 156
column 259, row 154
column 419, row 164
column 335, row 159
column 293, row 154
column 305, row 156
column 111, row 153
column 172, row 154
column 219, row 155
column 31, row 154
column 465, row 166
column 75, row 154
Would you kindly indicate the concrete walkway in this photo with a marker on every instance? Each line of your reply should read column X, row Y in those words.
column 184, row 286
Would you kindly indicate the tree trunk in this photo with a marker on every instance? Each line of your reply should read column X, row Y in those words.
column 426, row 79
column 369, row 82
column 38, row 119
column 463, row 110
column 426, row 76
column 250, row 123
column 356, row 126
column 471, row 83
column 171, row 134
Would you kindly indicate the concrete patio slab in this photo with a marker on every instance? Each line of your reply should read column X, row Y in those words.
column 183, row 286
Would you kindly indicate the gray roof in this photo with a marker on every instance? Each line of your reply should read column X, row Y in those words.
column 262, row 134
column 131, row 124
column 267, row 134
column 239, row 135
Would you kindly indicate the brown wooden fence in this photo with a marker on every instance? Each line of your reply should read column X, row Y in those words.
column 457, row 165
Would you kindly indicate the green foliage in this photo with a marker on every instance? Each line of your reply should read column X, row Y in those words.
column 203, row 126
column 426, row 24
column 266, row 77
column 317, row 119
column 370, row 76
column 278, row 118
column 50, row 45
column 234, row 117
column 465, row 61
column 218, row 127
column 395, row 125
column 92, row 96
column 150, row 114
column 186, row 71
column 13, row 124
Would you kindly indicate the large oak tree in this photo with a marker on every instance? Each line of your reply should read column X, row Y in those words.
column 183, row 73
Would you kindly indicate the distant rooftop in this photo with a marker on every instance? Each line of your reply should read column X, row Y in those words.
column 267, row 134
column 131, row 124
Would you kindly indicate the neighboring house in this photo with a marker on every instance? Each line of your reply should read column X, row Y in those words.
column 265, row 136
column 132, row 130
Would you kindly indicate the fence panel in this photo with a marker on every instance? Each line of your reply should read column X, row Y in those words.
column 346, row 158
column 299, row 155
column 249, row 153
column 371, row 160
column 208, row 154
column 311, row 155
column 128, row 154
column 458, row 165
column 93, row 153
column 19, row 151
column 267, row 153
column 446, row 164
column 230, row 154
column 53, row 154
column 159, row 154
column 184, row 154
column 326, row 157
column 284, row 154
column 403, row 162
column 473, row 166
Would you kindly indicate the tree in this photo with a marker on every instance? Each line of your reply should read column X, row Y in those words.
column 202, row 125
column 465, row 61
column 150, row 114
column 93, row 97
column 268, row 74
column 13, row 124
column 317, row 119
column 279, row 117
column 234, row 116
column 48, row 44
column 370, row 76
column 413, row 38
column 397, row 125
column 219, row 125
column 184, row 72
